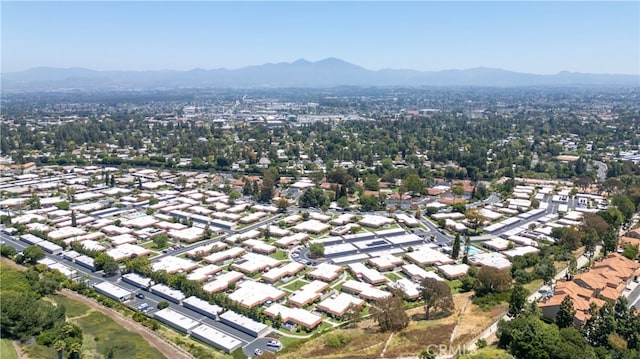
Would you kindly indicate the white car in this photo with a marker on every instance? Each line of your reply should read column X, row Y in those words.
column 257, row 352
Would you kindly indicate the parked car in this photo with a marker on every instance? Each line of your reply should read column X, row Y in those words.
column 257, row 352
column 140, row 295
column 274, row 343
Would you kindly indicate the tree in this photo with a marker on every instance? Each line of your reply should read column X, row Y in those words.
column 268, row 187
column 316, row 249
column 352, row 313
column 233, row 196
column 492, row 280
column 74, row 221
column 457, row 190
column 437, row 296
column 343, row 202
column 74, row 349
column 546, row 270
column 455, row 250
column 313, row 197
column 161, row 240
column 59, row 346
column 624, row 204
column 282, row 204
column 413, row 183
column 369, row 203
column 34, row 201
column 101, row 260
column 163, row 304
column 32, row 254
column 47, row 284
column 630, row 251
column 110, row 268
column 517, row 300
column 564, row 318
column 389, row 312
column 371, row 183
column 7, row 251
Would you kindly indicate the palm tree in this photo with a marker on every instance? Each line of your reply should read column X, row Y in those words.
column 75, row 349
column 59, row 346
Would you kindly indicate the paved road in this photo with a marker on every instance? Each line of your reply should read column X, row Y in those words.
column 601, row 171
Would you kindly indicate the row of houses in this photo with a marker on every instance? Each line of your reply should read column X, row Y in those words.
column 604, row 282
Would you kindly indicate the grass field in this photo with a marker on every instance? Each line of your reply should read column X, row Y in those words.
column 6, row 350
column 293, row 286
column 100, row 332
column 280, row 255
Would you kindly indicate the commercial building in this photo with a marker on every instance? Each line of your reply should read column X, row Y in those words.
column 49, row 247
column 137, row 280
column 167, row 292
column 202, row 306
column 176, row 320
column 86, row 262
column 215, row 338
column 244, row 324
column 113, row 291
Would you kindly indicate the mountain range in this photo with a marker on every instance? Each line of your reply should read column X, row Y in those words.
column 330, row 72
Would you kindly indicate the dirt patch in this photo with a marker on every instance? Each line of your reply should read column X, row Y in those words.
column 475, row 319
column 19, row 352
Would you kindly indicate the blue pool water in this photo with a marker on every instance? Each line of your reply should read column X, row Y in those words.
column 474, row 250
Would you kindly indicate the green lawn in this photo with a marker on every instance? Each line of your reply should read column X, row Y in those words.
column 293, row 286
column 393, row 276
column 6, row 350
column 455, row 285
column 280, row 255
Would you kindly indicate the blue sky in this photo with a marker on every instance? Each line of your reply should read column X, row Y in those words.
column 536, row 37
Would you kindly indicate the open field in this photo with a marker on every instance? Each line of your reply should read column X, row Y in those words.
column 365, row 341
column 7, row 351
column 100, row 333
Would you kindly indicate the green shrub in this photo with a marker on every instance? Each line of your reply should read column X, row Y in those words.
column 337, row 340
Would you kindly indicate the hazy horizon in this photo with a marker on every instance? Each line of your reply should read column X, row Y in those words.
column 528, row 37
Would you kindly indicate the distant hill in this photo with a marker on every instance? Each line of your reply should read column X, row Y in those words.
column 329, row 72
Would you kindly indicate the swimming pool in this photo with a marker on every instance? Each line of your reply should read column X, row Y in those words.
column 473, row 250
